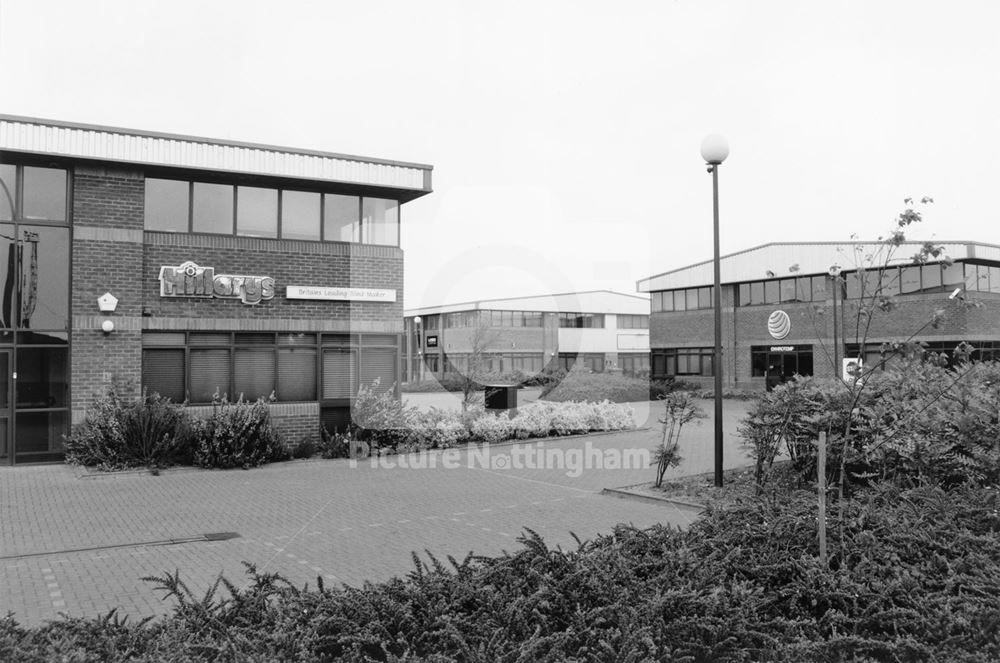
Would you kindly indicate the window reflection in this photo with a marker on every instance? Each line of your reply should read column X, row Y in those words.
column 44, row 288
column 8, row 189
column 44, row 194
column 212, row 208
column 340, row 218
column 380, row 221
column 166, row 205
column 256, row 211
column 300, row 215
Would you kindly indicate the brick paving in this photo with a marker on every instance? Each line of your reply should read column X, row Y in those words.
column 78, row 543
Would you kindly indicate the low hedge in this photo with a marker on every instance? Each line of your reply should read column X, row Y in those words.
column 917, row 579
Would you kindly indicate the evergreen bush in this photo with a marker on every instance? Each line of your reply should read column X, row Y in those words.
column 236, row 434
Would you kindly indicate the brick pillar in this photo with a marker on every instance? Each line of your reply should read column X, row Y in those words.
column 107, row 257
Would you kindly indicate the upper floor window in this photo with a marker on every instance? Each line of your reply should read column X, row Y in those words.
column 251, row 211
column 782, row 291
column 32, row 194
column 687, row 299
column 633, row 321
column 581, row 320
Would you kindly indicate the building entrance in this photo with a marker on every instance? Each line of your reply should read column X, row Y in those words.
column 780, row 363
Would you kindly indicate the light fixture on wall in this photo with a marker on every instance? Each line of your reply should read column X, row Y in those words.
column 107, row 303
column 108, row 326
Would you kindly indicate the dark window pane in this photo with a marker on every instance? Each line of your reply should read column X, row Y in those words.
column 38, row 338
column 42, row 377
column 213, row 208
column 209, row 375
column 44, row 194
column 44, row 277
column 163, row 373
column 8, row 190
column 341, row 218
column 8, row 276
column 300, row 212
column 38, row 435
column 380, row 221
column 706, row 364
column 757, row 293
column 166, row 206
column 296, row 374
column 771, row 292
column 256, row 211
column 255, row 338
column 254, row 373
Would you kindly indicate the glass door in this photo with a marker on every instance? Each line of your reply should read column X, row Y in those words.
column 6, row 455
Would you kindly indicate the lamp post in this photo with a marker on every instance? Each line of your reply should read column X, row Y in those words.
column 835, row 274
column 420, row 351
column 714, row 150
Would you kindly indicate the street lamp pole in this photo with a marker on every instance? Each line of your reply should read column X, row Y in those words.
column 714, row 150
column 420, row 351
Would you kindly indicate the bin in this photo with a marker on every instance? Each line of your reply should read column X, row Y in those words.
column 500, row 396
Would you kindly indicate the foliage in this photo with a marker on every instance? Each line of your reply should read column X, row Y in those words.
column 438, row 429
column 304, row 448
column 334, row 445
column 916, row 423
column 236, row 434
column 380, row 419
column 120, row 432
column 678, row 409
column 492, row 428
column 921, row 582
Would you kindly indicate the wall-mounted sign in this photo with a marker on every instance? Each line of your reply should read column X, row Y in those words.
column 782, row 348
column 778, row 325
column 190, row 280
column 432, row 341
column 340, row 294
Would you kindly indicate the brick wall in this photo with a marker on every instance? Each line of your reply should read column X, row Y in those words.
column 107, row 257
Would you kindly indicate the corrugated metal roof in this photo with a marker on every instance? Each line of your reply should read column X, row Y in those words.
column 592, row 301
column 22, row 134
column 804, row 258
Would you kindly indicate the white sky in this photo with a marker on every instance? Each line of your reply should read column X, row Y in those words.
column 564, row 135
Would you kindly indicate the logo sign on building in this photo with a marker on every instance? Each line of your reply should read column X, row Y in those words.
column 432, row 341
column 340, row 294
column 190, row 280
column 779, row 324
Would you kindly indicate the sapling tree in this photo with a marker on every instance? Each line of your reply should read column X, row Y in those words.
column 471, row 378
column 679, row 408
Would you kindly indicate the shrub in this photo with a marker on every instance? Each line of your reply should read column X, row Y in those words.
column 492, row 428
column 304, row 448
column 380, row 419
column 679, row 409
column 334, row 445
column 236, row 434
column 921, row 583
column 121, row 432
column 437, row 429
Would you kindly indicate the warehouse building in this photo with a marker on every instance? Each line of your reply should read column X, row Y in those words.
column 600, row 329
column 194, row 268
column 793, row 309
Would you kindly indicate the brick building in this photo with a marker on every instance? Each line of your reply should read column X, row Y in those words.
column 602, row 329
column 793, row 308
column 192, row 267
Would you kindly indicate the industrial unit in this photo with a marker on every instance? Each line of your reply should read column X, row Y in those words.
column 195, row 268
column 792, row 309
column 601, row 329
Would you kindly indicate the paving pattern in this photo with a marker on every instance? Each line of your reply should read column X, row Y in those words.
column 79, row 544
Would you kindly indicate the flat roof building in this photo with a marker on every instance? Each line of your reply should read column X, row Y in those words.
column 793, row 308
column 605, row 330
column 192, row 267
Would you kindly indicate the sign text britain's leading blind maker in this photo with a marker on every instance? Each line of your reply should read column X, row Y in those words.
column 190, row 280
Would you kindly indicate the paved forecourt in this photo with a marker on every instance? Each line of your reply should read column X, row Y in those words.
column 81, row 545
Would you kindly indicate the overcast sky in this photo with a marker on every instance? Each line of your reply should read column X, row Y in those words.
column 564, row 135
